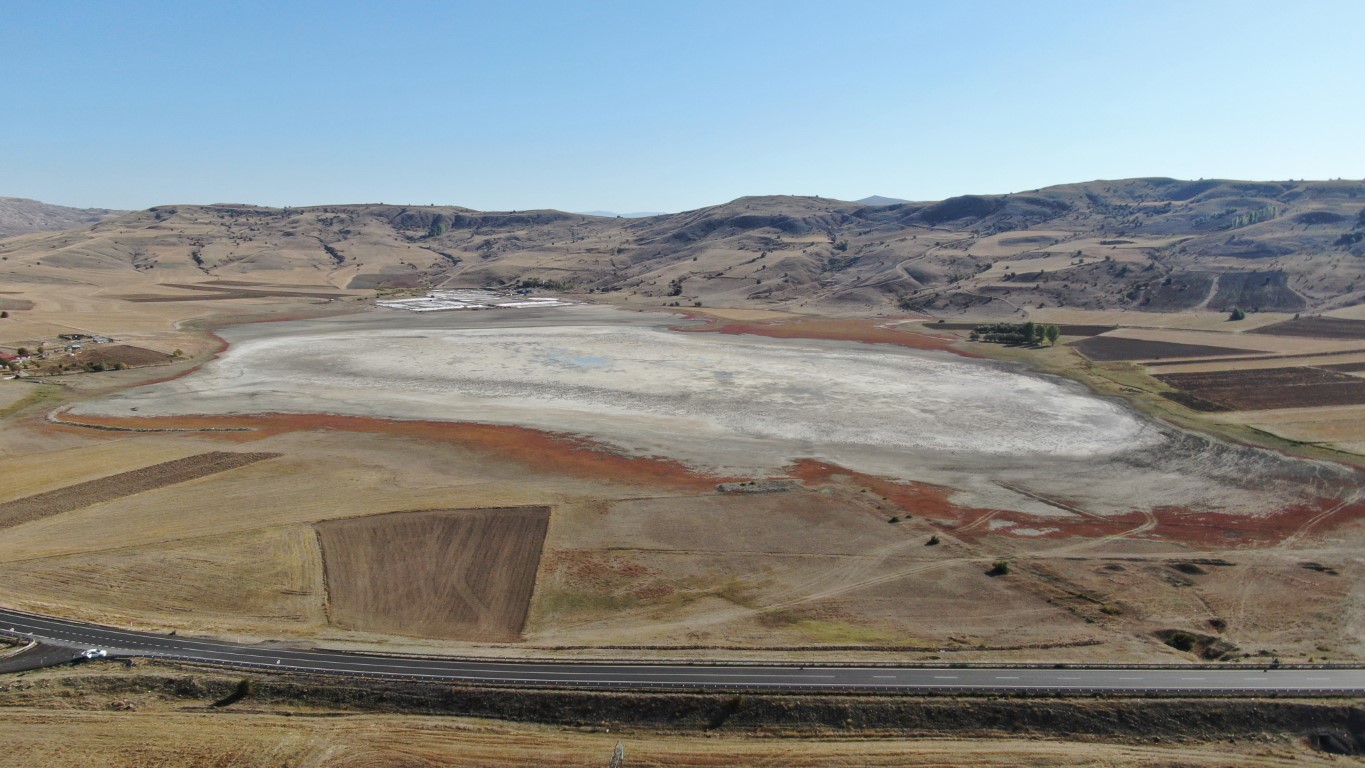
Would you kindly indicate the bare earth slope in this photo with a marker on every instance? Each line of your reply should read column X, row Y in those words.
column 19, row 215
column 1150, row 244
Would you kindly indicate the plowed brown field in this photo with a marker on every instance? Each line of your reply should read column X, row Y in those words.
column 1252, row 390
column 1106, row 348
column 447, row 573
column 123, row 484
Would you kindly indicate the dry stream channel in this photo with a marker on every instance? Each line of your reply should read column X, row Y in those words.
column 740, row 405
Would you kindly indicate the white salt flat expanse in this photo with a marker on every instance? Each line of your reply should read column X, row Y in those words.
column 730, row 404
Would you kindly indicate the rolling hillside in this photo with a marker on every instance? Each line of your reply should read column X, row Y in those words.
column 1149, row 244
column 19, row 215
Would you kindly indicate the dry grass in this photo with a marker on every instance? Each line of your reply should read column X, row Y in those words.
column 128, row 740
column 218, row 584
column 123, row 484
column 37, row 471
column 451, row 573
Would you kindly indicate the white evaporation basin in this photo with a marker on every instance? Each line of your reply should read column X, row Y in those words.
column 707, row 399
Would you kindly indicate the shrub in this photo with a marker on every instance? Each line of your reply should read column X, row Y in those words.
column 999, row 568
column 1181, row 641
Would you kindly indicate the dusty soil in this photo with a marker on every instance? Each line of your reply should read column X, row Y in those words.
column 117, row 486
column 450, row 573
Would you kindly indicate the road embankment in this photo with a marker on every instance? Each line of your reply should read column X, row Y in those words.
column 1337, row 724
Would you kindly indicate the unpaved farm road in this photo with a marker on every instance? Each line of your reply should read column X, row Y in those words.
column 75, row 636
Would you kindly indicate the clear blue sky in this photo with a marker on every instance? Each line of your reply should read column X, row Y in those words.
column 647, row 105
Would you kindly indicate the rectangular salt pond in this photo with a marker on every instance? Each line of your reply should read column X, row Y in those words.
column 438, row 301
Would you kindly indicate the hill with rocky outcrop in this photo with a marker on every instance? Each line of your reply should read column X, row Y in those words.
column 1151, row 244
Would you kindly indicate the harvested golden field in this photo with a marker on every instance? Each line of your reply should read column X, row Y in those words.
column 128, row 483
column 447, row 573
column 212, row 584
column 133, row 740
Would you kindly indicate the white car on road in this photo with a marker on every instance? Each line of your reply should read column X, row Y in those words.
column 93, row 653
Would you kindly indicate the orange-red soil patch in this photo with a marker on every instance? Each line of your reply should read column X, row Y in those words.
column 1173, row 524
column 538, row 450
column 461, row 574
column 831, row 329
column 918, row 499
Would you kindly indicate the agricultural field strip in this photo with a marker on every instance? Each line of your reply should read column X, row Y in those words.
column 1120, row 348
column 1315, row 328
column 129, row 483
column 1307, row 356
column 1271, row 388
column 696, row 675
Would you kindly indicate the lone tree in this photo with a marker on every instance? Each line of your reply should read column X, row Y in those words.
column 1237, row 314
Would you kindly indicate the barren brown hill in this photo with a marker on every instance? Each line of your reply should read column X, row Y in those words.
column 19, row 215
column 1149, row 244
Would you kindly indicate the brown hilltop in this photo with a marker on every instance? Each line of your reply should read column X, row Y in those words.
column 20, row 215
column 1152, row 244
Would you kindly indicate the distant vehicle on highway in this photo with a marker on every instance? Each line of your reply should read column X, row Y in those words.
column 92, row 653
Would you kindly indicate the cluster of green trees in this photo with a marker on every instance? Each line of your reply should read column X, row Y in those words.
column 1254, row 217
column 536, row 282
column 1016, row 333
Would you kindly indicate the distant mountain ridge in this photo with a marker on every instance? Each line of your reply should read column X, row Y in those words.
column 1154, row 244
column 19, row 215
column 879, row 200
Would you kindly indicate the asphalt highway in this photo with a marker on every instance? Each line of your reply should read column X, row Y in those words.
column 78, row 636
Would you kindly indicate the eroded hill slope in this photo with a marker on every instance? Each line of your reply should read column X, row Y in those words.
column 1151, row 244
